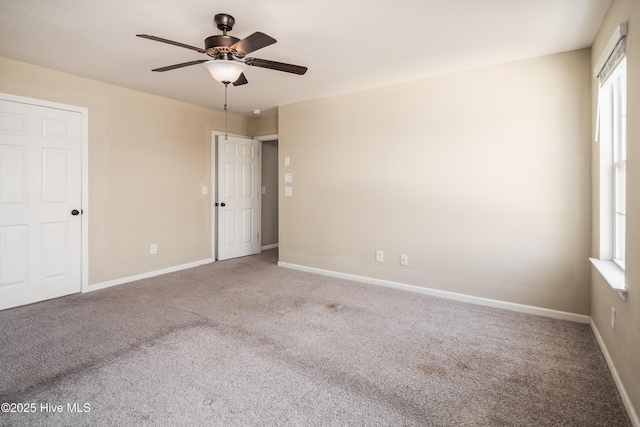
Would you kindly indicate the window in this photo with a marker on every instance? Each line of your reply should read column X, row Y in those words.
column 616, row 85
column 611, row 135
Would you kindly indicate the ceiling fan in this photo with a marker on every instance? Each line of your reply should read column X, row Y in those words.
column 228, row 54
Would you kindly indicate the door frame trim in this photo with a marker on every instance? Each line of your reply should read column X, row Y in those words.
column 262, row 139
column 266, row 137
column 84, row 152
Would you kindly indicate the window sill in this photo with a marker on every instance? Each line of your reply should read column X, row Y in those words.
column 613, row 275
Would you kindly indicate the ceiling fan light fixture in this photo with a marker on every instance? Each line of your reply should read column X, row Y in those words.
column 224, row 70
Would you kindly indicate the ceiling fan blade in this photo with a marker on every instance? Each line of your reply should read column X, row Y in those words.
column 159, row 39
column 273, row 65
column 184, row 64
column 242, row 80
column 254, row 42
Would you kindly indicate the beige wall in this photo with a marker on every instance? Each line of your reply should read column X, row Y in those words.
column 263, row 126
column 481, row 177
column 623, row 344
column 148, row 160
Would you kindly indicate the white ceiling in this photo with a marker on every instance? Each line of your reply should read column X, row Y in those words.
column 347, row 45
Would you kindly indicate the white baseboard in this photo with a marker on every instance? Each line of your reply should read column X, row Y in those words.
column 521, row 308
column 147, row 275
column 635, row 420
column 267, row 247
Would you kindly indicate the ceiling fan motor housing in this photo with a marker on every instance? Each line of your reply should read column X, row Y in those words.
column 220, row 40
column 219, row 45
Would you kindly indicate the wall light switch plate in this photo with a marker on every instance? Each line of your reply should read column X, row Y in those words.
column 288, row 191
column 288, row 177
column 287, row 160
column 205, row 190
column 264, row 190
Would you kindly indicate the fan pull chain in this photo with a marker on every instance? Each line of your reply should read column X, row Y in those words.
column 226, row 135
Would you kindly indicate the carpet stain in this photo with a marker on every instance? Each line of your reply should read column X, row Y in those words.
column 334, row 306
column 433, row 369
column 463, row 366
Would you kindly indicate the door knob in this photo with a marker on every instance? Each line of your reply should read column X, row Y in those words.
column 222, row 204
column 75, row 212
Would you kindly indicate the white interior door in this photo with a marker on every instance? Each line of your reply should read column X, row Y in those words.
column 40, row 193
column 238, row 197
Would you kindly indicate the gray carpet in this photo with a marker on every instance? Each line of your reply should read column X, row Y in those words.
column 244, row 342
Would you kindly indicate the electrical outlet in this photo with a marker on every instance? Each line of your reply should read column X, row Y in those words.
column 379, row 256
column 404, row 259
column 153, row 249
column 613, row 319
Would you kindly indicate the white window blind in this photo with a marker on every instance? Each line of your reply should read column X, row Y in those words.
column 611, row 56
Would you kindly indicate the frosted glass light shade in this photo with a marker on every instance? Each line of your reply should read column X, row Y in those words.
column 225, row 71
